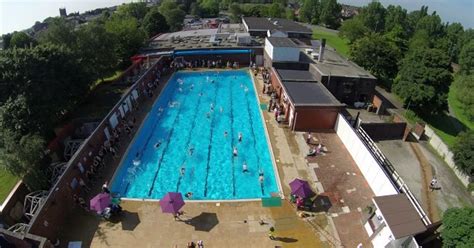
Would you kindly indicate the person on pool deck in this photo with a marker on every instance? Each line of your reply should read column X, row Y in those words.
column 240, row 137
column 244, row 167
column 235, row 152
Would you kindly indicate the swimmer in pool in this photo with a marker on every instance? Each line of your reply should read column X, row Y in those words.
column 225, row 134
column 240, row 137
column 158, row 144
column 182, row 170
column 244, row 167
column 235, row 152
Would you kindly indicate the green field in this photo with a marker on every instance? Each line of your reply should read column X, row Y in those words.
column 7, row 182
column 341, row 45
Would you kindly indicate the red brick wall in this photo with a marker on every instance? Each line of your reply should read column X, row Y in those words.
column 315, row 118
column 60, row 203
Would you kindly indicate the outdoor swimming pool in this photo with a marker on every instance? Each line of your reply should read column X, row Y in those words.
column 186, row 142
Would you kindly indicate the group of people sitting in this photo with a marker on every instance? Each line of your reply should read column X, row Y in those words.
column 183, row 64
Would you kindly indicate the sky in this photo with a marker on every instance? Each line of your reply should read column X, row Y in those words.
column 461, row 11
column 16, row 15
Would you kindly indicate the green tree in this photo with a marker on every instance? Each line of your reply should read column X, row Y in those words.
column 353, row 29
column 37, row 86
column 454, row 36
column 96, row 48
column 309, row 11
column 377, row 54
column 458, row 227
column 24, row 157
column 290, row 14
column 398, row 36
column 235, row 12
column 466, row 58
column 21, row 40
column 330, row 13
column 423, row 80
column 128, row 35
column 432, row 25
column 464, row 89
column 276, row 11
column 59, row 32
column 137, row 10
column 155, row 23
column 396, row 16
column 373, row 16
column 6, row 40
column 414, row 17
column 420, row 39
column 173, row 14
column 210, row 8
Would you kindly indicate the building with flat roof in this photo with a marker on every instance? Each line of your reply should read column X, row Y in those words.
column 347, row 81
column 306, row 104
column 280, row 49
column 259, row 26
column 394, row 222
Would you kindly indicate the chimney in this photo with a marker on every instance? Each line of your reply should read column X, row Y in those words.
column 321, row 50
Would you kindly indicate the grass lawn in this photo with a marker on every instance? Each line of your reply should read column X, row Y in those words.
column 7, row 182
column 341, row 45
column 456, row 106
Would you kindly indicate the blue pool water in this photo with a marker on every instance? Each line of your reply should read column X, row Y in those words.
column 196, row 121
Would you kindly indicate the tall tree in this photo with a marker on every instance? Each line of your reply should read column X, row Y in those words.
column 276, row 11
column 210, row 8
column 137, row 10
column 377, row 54
column 432, row 25
column 423, row 80
column 353, row 29
column 454, row 36
column 6, row 40
column 173, row 14
column 396, row 16
column 59, row 32
column 373, row 16
column 21, row 40
column 235, row 12
column 309, row 11
column 464, row 93
column 128, row 35
column 40, row 87
column 96, row 48
column 155, row 23
column 466, row 58
column 330, row 13
column 458, row 227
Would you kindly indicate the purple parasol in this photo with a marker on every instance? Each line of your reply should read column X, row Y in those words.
column 100, row 202
column 172, row 203
column 301, row 188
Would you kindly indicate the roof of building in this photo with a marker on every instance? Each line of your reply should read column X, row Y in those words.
column 309, row 94
column 295, row 75
column 335, row 65
column 400, row 215
column 264, row 24
column 281, row 42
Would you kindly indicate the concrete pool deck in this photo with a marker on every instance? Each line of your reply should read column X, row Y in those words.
column 236, row 224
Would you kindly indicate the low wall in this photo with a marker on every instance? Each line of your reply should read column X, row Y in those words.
column 375, row 176
column 59, row 204
column 443, row 150
column 11, row 211
column 385, row 131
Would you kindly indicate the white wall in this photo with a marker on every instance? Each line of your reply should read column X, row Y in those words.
column 373, row 173
column 443, row 151
column 269, row 48
column 282, row 54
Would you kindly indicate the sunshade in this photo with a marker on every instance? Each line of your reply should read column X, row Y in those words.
column 172, row 202
column 100, row 202
column 301, row 188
